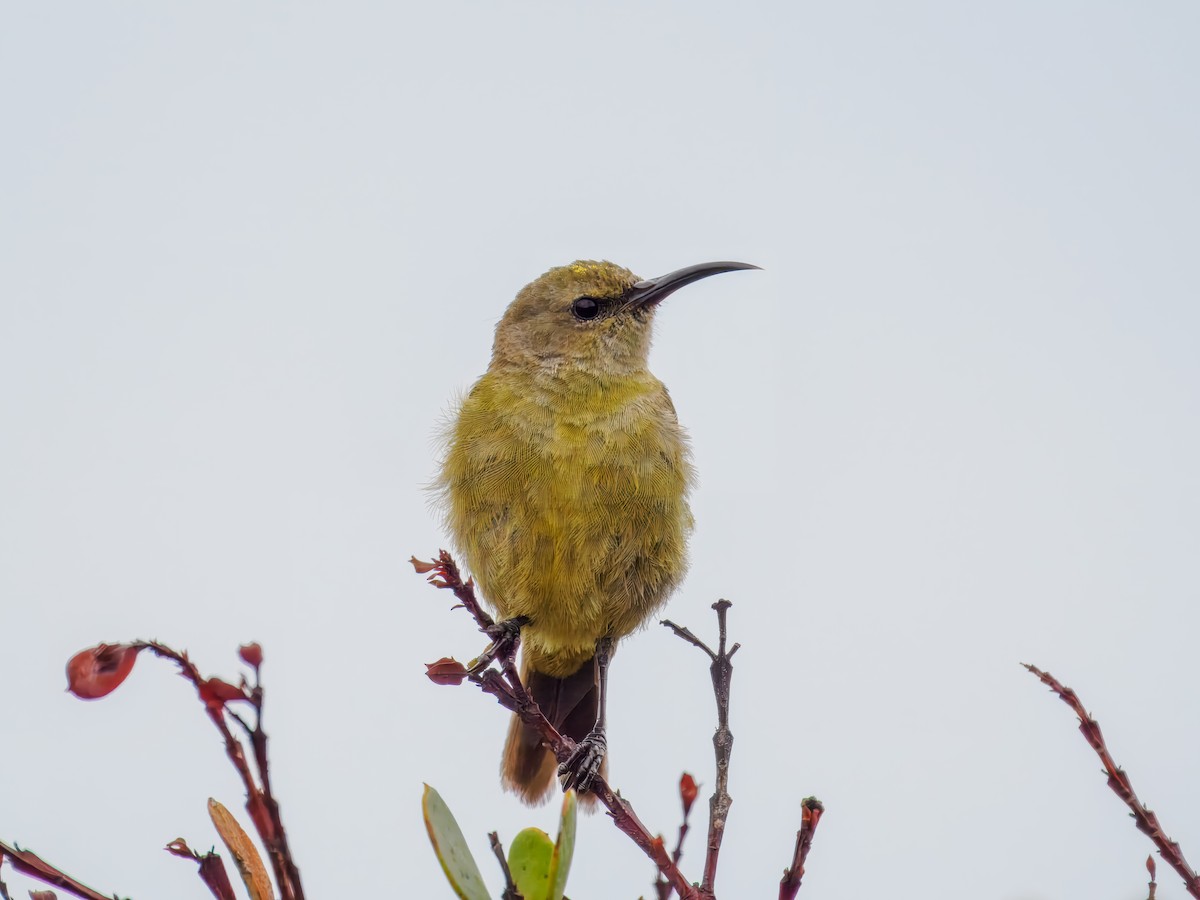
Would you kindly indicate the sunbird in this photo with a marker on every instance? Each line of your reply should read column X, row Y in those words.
column 565, row 485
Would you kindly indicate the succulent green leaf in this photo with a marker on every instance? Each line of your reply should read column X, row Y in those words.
column 564, row 847
column 529, row 860
column 451, row 848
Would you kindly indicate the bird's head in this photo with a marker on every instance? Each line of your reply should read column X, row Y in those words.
column 589, row 315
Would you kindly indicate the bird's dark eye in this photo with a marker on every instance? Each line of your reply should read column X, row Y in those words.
column 585, row 308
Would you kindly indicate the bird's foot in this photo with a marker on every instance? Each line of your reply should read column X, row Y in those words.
column 505, row 636
column 584, row 762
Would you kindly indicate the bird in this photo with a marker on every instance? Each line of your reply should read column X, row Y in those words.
column 564, row 485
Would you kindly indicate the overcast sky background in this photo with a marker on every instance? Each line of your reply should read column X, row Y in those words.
column 249, row 253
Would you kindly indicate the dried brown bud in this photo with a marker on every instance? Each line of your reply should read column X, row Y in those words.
column 1151, row 867
column 179, row 847
column 446, row 671
column 98, row 671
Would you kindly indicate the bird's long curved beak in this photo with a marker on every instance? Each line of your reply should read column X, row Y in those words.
column 654, row 290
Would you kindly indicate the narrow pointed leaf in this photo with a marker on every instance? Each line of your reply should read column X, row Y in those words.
column 451, row 848
column 241, row 848
column 564, row 847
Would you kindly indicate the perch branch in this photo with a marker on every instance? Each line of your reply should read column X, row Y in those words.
column 510, row 693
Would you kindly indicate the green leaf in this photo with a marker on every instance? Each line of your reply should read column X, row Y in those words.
column 529, row 860
column 451, row 848
column 564, row 848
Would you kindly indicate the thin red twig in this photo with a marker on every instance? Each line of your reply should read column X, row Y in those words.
column 687, row 794
column 1146, row 821
column 684, row 828
column 810, row 817
column 29, row 863
column 286, row 870
column 260, row 801
column 511, row 694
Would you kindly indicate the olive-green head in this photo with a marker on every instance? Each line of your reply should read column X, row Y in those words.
column 589, row 315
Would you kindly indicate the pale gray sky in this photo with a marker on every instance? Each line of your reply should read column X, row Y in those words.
column 248, row 253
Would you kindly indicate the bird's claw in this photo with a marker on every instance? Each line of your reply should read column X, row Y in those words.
column 505, row 635
column 584, row 762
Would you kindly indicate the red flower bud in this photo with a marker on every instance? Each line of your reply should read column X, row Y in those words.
column 446, row 671
column 98, row 671
column 688, row 790
column 251, row 654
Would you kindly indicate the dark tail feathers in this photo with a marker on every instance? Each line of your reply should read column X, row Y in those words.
column 528, row 768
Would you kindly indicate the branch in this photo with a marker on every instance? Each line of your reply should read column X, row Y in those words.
column 97, row 671
column 260, row 801
column 1146, row 821
column 810, row 817
column 718, row 806
column 287, row 874
column 510, row 693
column 29, row 863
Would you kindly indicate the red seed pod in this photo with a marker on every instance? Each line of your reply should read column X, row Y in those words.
column 446, row 671
column 98, row 671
